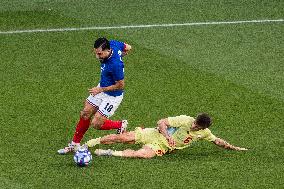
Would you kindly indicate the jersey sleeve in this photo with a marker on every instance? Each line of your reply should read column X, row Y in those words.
column 209, row 136
column 118, row 72
column 119, row 44
column 180, row 121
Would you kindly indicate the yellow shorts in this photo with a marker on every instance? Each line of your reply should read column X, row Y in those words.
column 152, row 138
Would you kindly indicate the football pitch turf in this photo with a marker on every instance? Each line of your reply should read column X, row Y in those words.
column 234, row 72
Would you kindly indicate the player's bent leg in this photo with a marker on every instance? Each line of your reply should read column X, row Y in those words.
column 106, row 109
column 84, row 122
column 98, row 120
column 88, row 110
column 101, row 122
column 128, row 137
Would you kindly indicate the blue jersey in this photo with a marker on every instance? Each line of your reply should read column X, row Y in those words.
column 112, row 69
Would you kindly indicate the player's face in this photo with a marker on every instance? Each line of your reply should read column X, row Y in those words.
column 100, row 54
column 195, row 127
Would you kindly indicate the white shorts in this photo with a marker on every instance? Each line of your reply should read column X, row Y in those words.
column 105, row 104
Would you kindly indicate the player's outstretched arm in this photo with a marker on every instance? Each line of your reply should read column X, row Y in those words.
column 224, row 144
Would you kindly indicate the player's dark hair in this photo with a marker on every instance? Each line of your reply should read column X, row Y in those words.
column 102, row 42
column 203, row 120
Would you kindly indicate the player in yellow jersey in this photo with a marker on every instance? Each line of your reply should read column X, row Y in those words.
column 171, row 133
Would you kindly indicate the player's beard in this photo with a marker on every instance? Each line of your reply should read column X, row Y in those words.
column 104, row 59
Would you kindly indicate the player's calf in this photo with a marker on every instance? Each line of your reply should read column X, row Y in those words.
column 142, row 153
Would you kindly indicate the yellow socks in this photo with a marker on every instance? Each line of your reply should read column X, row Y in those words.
column 94, row 142
column 117, row 153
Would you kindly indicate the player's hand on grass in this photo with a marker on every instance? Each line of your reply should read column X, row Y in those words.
column 96, row 90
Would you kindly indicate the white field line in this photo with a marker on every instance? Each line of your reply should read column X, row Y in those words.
column 139, row 26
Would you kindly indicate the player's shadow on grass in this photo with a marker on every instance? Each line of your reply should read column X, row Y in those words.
column 199, row 155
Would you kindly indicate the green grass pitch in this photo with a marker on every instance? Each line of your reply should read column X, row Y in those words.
column 234, row 72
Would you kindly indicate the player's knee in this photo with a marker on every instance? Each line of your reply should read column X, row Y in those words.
column 97, row 121
column 122, row 137
column 96, row 124
column 85, row 114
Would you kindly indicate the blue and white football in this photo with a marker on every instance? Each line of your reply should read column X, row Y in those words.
column 83, row 157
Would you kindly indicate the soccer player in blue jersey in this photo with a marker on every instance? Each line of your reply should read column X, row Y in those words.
column 172, row 133
column 105, row 98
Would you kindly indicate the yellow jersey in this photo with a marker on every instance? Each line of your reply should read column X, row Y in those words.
column 182, row 134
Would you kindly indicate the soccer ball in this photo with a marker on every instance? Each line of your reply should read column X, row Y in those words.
column 83, row 157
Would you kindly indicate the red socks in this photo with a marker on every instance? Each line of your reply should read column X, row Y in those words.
column 83, row 126
column 109, row 124
column 81, row 129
